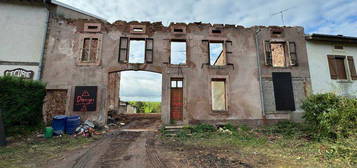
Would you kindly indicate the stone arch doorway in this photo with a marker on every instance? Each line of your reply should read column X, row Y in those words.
column 114, row 78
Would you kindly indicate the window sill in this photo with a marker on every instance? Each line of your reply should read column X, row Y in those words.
column 88, row 63
column 177, row 65
column 218, row 66
column 220, row 112
column 343, row 81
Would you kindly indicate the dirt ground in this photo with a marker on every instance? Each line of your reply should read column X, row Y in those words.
column 140, row 145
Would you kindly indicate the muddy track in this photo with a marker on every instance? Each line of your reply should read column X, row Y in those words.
column 123, row 148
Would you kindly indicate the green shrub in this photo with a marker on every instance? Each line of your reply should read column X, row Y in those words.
column 146, row 107
column 330, row 116
column 21, row 101
column 202, row 128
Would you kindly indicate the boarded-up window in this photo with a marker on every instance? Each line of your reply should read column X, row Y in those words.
column 278, row 54
column 90, row 49
column 337, row 67
column 178, row 52
column 218, row 92
column 283, row 91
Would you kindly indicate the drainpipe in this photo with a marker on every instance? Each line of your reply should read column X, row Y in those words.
column 259, row 72
column 45, row 3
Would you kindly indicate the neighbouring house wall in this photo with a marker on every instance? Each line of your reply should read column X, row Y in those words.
column 319, row 67
column 22, row 36
column 300, row 76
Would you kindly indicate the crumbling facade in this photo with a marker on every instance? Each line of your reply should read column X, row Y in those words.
column 84, row 58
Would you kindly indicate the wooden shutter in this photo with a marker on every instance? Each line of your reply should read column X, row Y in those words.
column 332, row 66
column 149, row 45
column 268, row 57
column 351, row 65
column 123, row 49
column 229, row 52
column 292, row 53
column 205, row 44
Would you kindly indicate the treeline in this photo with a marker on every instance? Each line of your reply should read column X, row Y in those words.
column 146, row 107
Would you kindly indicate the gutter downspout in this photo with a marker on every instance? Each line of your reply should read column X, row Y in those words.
column 259, row 72
column 45, row 3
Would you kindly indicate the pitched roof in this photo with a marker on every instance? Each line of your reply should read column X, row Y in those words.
column 331, row 38
column 56, row 2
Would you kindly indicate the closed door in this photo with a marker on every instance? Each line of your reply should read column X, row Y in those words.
column 176, row 104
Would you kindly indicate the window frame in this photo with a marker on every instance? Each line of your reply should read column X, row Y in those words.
column 182, row 41
column 290, row 54
column 176, row 81
column 226, row 82
column 223, row 42
column 347, row 67
column 91, row 36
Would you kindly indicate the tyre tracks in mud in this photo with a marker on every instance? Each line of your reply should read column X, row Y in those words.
column 122, row 148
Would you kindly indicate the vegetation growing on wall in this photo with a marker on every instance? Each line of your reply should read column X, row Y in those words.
column 146, row 107
column 21, row 102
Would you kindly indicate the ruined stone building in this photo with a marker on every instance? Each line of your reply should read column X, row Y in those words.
column 259, row 74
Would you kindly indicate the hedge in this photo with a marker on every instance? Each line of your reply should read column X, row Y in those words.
column 21, row 101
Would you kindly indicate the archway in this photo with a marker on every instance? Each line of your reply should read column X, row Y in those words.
column 117, row 100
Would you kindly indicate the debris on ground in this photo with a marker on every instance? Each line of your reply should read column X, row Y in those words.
column 224, row 131
column 117, row 120
column 86, row 129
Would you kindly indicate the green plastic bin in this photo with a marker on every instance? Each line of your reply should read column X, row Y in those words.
column 48, row 132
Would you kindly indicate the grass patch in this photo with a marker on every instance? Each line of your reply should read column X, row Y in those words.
column 36, row 152
column 285, row 144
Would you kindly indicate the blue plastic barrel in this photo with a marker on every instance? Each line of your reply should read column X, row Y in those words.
column 59, row 124
column 72, row 123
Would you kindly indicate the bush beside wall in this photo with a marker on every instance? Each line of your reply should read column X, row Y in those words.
column 331, row 116
column 21, row 102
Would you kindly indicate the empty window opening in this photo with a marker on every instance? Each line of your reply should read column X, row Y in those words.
column 216, row 31
column 140, row 92
column 276, row 32
column 216, row 55
column 92, row 27
column 138, row 29
column 178, row 53
column 90, row 47
column 218, row 92
column 339, row 47
column 278, row 54
column 178, row 30
column 137, row 51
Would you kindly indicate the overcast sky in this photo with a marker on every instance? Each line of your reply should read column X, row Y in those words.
column 316, row 16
